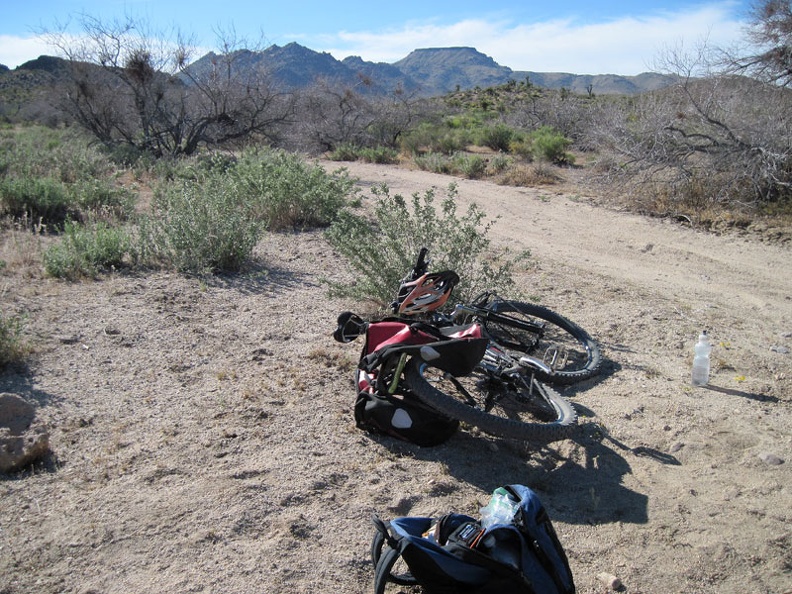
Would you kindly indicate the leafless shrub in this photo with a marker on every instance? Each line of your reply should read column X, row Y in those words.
column 130, row 86
column 712, row 139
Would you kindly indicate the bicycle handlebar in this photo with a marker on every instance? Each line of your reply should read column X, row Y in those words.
column 421, row 264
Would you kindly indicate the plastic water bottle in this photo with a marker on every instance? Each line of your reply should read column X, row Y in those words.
column 701, row 360
column 500, row 509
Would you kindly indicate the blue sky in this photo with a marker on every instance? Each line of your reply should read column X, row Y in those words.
column 578, row 36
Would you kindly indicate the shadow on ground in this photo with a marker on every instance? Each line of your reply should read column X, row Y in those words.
column 579, row 485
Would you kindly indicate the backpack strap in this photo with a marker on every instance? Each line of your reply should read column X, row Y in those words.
column 383, row 529
column 385, row 552
column 382, row 572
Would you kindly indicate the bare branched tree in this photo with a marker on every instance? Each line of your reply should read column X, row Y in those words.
column 770, row 33
column 134, row 87
column 332, row 116
column 717, row 136
column 396, row 113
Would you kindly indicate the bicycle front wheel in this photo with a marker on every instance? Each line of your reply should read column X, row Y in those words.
column 534, row 412
column 567, row 353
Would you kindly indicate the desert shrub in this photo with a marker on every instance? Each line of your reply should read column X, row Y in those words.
column 550, row 145
column 101, row 198
column 471, row 166
column 84, row 251
column 521, row 147
column 369, row 154
column 51, row 175
column 283, row 191
column 42, row 199
column 450, row 142
column 198, row 226
column 434, row 162
column 420, row 139
column 498, row 164
column 128, row 156
column 61, row 154
column 438, row 138
column 208, row 212
column 535, row 174
column 379, row 154
column 382, row 251
column 12, row 345
column 345, row 152
column 497, row 137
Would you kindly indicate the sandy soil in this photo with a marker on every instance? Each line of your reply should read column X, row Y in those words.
column 203, row 439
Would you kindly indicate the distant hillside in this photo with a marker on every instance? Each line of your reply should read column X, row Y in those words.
column 427, row 72
column 599, row 84
column 296, row 67
column 447, row 69
column 443, row 70
column 430, row 71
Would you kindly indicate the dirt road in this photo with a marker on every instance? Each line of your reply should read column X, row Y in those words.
column 203, row 440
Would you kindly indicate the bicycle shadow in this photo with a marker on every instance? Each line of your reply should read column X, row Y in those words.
column 587, row 487
column 581, row 484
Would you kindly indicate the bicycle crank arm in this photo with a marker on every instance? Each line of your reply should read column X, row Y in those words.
column 534, row 363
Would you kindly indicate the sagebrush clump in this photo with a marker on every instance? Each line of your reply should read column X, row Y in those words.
column 384, row 249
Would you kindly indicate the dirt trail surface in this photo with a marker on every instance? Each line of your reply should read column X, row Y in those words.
column 203, row 440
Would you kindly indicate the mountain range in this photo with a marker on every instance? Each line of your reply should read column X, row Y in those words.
column 426, row 72
column 429, row 72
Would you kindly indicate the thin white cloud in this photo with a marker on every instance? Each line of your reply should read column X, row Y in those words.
column 16, row 50
column 623, row 46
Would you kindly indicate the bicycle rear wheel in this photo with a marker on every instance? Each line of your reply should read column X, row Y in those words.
column 535, row 412
column 568, row 352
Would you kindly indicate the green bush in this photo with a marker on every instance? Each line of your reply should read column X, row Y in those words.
column 375, row 154
column 498, row 164
column 497, row 137
column 383, row 251
column 198, row 227
column 549, row 144
column 50, row 175
column 41, row 199
column 437, row 138
column 84, row 251
column 345, row 152
column 419, row 140
column 283, row 191
column 12, row 345
column 37, row 151
column 434, row 162
column 521, row 147
column 471, row 166
column 380, row 154
column 99, row 197
column 210, row 212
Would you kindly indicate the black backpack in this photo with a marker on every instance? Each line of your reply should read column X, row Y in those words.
column 454, row 554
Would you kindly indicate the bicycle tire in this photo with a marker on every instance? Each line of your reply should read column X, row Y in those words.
column 492, row 406
column 581, row 356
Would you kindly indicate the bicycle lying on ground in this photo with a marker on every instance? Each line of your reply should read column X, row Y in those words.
column 486, row 363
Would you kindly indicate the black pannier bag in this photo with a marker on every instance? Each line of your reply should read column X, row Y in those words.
column 404, row 417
